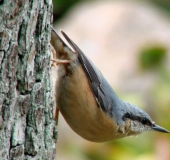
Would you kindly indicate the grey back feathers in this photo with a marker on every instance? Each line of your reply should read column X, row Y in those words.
column 104, row 94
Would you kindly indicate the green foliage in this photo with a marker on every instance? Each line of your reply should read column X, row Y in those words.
column 164, row 4
column 152, row 56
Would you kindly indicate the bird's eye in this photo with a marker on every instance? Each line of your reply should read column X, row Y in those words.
column 144, row 121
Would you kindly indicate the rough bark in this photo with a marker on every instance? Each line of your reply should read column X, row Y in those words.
column 27, row 128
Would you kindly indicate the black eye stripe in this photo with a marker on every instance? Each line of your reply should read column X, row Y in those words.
column 142, row 120
column 130, row 116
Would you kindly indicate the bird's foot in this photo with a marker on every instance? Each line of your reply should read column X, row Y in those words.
column 60, row 61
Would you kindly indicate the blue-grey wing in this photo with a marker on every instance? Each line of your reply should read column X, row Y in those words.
column 104, row 94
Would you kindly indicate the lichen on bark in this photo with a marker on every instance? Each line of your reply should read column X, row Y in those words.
column 27, row 128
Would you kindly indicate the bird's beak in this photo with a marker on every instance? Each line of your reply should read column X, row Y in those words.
column 159, row 129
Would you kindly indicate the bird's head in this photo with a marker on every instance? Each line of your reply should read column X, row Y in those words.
column 137, row 121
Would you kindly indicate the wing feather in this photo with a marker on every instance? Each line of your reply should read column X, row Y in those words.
column 100, row 86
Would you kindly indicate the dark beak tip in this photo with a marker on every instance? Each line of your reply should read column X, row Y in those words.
column 160, row 129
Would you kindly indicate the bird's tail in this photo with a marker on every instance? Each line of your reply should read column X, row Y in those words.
column 61, row 49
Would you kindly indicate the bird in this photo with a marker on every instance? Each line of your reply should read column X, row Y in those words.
column 86, row 100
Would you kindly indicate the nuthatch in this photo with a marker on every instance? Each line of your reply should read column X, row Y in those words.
column 88, row 103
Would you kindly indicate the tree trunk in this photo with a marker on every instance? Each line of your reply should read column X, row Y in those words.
column 27, row 128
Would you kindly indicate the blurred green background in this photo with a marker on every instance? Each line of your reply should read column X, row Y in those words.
column 151, row 58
